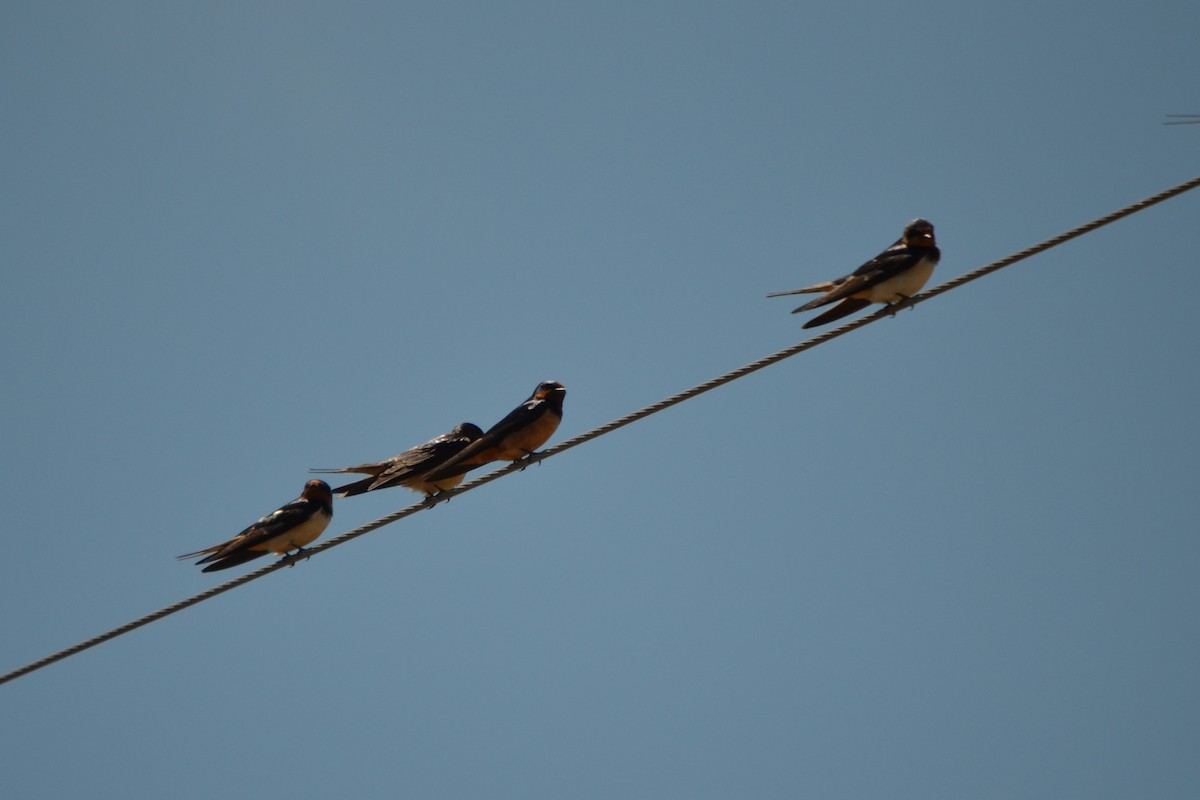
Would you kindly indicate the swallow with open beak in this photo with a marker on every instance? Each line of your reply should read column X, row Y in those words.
column 288, row 528
column 516, row 436
column 408, row 469
column 892, row 277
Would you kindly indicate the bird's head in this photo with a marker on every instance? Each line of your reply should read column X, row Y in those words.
column 547, row 389
column 919, row 233
column 318, row 491
column 468, row 430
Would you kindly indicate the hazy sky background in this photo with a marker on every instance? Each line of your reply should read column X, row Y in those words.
column 953, row 554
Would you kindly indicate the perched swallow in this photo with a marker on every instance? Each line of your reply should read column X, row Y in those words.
column 408, row 469
column 289, row 528
column 891, row 277
column 516, row 436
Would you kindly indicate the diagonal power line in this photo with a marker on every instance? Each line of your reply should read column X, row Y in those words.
column 628, row 419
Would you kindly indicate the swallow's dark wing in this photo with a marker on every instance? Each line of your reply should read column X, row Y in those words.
column 410, row 463
column 419, row 460
column 281, row 521
column 355, row 487
column 516, row 419
column 381, row 472
column 847, row 306
column 374, row 468
column 888, row 264
column 519, row 418
column 233, row 559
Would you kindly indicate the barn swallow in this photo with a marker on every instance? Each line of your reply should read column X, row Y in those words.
column 289, row 528
column 408, row 469
column 516, row 436
column 891, row 277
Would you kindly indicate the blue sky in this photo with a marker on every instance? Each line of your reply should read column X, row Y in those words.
column 951, row 554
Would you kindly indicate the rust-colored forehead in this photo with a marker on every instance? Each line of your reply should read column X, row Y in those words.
column 316, row 488
column 547, row 388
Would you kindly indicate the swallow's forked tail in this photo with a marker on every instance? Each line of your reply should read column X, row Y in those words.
column 354, row 488
column 847, row 306
column 233, row 559
column 820, row 287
